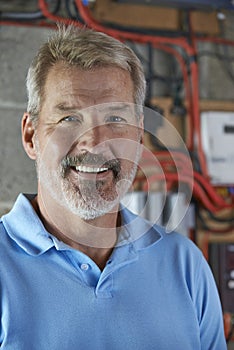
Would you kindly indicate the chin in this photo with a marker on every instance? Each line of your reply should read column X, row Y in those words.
column 89, row 209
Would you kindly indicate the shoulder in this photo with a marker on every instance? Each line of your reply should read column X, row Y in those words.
column 183, row 252
column 173, row 243
column 178, row 243
column 176, row 256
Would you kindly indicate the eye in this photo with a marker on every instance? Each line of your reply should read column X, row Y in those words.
column 115, row 119
column 70, row 119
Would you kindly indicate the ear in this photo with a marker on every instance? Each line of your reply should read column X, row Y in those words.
column 28, row 132
column 141, row 127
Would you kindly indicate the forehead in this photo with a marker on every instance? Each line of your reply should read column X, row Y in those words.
column 87, row 87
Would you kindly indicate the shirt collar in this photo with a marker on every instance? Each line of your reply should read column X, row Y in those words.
column 138, row 231
column 26, row 229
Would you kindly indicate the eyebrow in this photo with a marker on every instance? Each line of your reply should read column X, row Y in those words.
column 112, row 106
column 62, row 107
column 116, row 106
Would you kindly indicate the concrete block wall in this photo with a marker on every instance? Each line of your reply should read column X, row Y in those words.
column 17, row 172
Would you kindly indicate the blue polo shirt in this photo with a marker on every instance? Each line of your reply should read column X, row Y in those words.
column 156, row 291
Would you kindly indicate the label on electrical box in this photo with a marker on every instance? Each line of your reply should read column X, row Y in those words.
column 217, row 130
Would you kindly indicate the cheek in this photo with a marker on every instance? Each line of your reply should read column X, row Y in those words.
column 54, row 147
column 126, row 149
column 127, row 144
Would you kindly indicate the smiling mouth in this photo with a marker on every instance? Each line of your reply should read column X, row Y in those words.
column 90, row 164
column 90, row 169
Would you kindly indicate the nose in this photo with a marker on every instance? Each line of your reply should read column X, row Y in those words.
column 93, row 140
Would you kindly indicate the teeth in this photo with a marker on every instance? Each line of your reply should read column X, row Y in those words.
column 86, row 169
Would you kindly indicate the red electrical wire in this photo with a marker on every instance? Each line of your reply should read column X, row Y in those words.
column 179, row 161
column 171, row 154
column 200, row 180
column 202, row 189
column 211, row 191
column 196, row 110
column 125, row 35
column 198, row 191
column 214, row 40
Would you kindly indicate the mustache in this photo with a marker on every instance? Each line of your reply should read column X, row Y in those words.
column 91, row 159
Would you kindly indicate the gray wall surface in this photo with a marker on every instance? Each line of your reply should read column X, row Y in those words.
column 17, row 172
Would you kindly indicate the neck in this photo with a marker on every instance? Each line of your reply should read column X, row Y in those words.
column 95, row 238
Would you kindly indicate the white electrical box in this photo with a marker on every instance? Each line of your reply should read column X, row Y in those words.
column 217, row 131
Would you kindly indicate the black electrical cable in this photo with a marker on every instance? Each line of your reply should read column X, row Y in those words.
column 57, row 6
column 24, row 16
column 176, row 83
column 73, row 13
column 134, row 47
column 196, row 162
column 156, row 76
column 68, row 9
column 220, row 220
column 28, row 16
column 206, row 227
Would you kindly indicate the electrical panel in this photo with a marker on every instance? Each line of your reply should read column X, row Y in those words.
column 221, row 259
column 189, row 4
column 217, row 131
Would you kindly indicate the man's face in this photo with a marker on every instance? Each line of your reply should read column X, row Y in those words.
column 87, row 139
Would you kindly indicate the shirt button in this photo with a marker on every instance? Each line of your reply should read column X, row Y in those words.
column 84, row 267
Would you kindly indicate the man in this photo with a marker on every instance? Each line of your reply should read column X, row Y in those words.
column 78, row 270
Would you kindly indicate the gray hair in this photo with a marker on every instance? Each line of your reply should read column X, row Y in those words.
column 86, row 49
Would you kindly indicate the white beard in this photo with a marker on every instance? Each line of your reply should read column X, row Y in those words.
column 87, row 200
